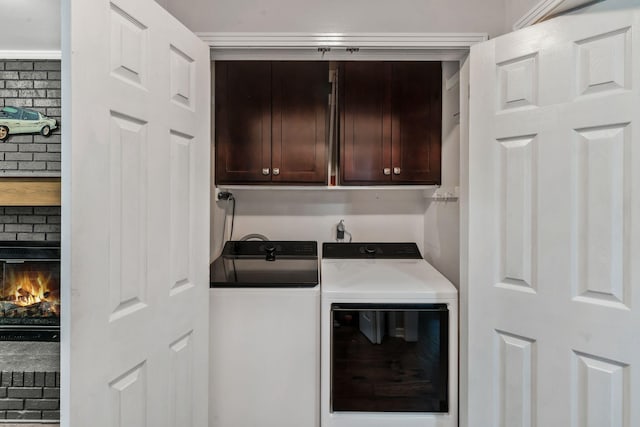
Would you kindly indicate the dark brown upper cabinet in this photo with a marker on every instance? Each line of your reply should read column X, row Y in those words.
column 390, row 122
column 271, row 120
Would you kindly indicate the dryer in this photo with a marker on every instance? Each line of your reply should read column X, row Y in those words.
column 389, row 323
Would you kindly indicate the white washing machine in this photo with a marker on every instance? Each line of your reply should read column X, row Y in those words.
column 389, row 338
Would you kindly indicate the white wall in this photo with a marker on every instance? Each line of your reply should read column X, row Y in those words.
column 351, row 16
column 369, row 215
column 515, row 9
column 30, row 25
column 442, row 218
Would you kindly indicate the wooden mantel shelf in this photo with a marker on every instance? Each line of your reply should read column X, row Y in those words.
column 29, row 191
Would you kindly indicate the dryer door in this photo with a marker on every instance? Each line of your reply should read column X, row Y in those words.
column 404, row 370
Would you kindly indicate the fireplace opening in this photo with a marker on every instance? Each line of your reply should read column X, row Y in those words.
column 29, row 291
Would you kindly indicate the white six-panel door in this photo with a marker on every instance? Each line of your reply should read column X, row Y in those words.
column 135, row 212
column 554, row 225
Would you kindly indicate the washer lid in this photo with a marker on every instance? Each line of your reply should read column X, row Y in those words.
column 384, row 278
column 269, row 264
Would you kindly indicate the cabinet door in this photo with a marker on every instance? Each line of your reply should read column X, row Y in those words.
column 365, row 118
column 299, row 120
column 243, row 122
column 416, row 122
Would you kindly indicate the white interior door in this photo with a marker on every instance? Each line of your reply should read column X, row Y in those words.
column 135, row 212
column 554, row 225
column 371, row 326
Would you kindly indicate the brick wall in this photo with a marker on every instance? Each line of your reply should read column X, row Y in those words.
column 29, row 395
column 30, row 223
column 34, row 85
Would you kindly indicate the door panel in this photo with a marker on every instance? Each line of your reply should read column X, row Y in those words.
column 135, row 216
column 554, row 224
column 299, row 122
column 243, row 121
column 365, row 133
column 416, row 90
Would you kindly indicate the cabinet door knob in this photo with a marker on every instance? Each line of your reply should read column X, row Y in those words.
column 396, row 171
column 386, row 171
column 276, row 171
column 265, row 171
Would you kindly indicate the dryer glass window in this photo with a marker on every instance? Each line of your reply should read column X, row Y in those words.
column 389, row 357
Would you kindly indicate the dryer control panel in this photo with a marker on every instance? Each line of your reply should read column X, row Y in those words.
column 371, row 250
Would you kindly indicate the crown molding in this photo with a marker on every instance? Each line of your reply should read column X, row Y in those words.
column 340, row 40
column 30, row 54
column 341, row 46
column 547, row 8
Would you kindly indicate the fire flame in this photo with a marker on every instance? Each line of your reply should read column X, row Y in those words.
column 25, row 288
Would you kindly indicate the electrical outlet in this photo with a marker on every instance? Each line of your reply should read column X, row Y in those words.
column 340, row 231
column 221, row 194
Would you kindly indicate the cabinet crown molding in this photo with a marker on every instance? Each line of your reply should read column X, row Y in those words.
column 305, row 40
column 339, row 45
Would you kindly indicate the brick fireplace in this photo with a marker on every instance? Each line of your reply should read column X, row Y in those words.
column 29, row 395
column 29, row 311
column 29, row 291
column 29, row 324
column 29, row 330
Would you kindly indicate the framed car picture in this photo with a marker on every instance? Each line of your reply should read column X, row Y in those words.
column 16, row 120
